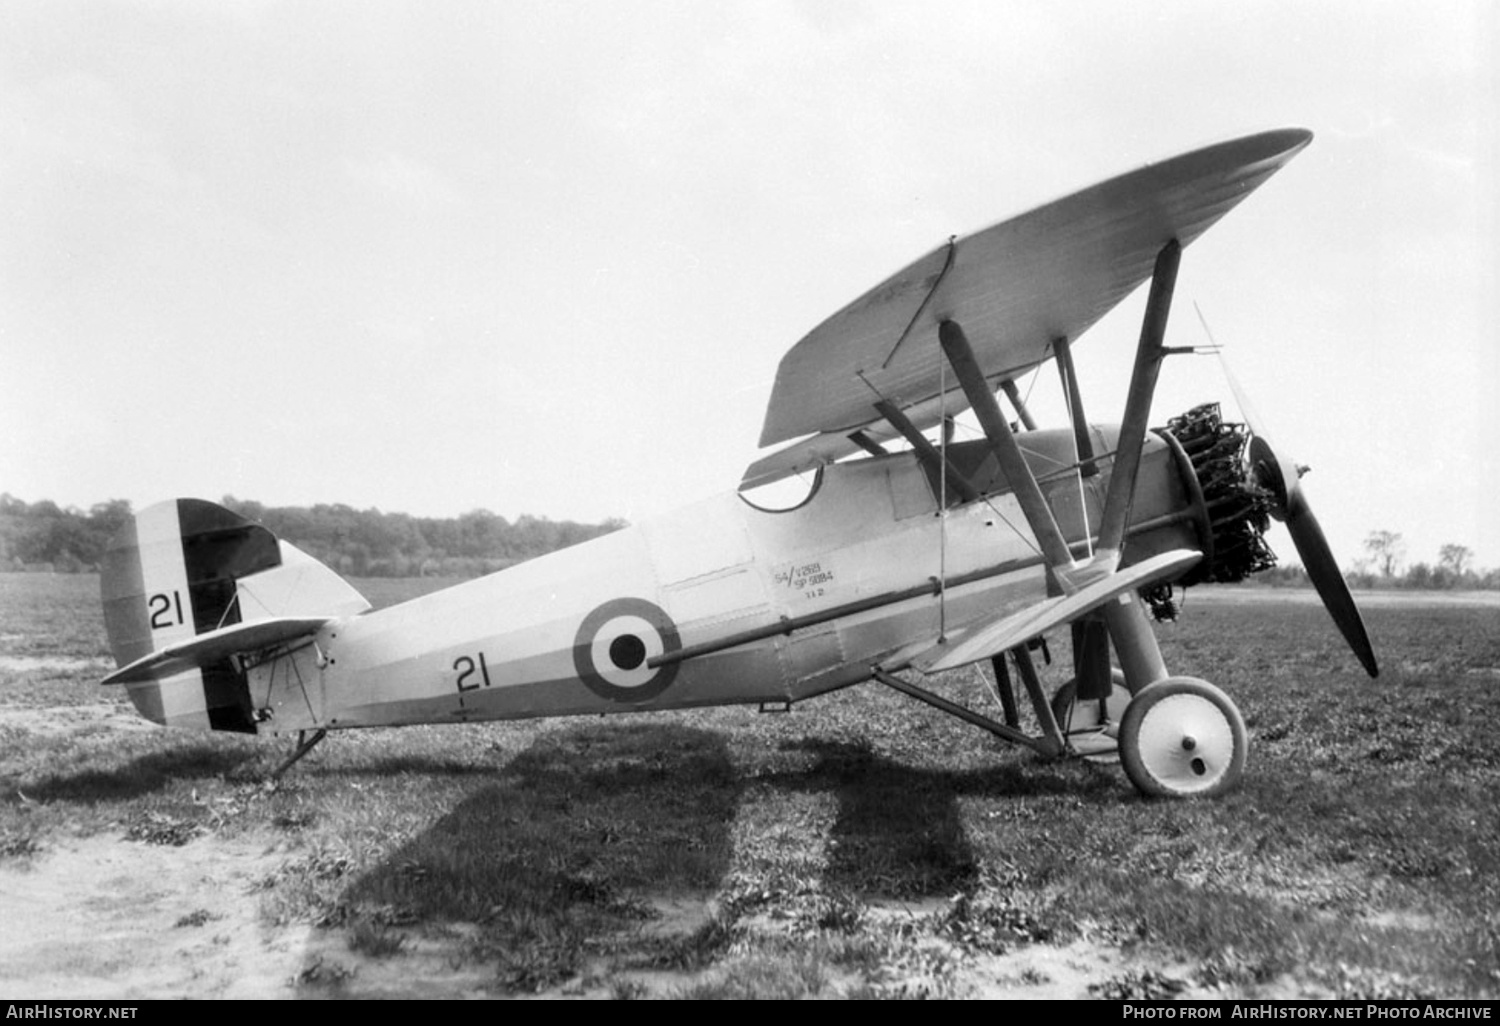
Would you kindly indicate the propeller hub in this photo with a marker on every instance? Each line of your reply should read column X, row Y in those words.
column 1274, row 473
column 1244, row 480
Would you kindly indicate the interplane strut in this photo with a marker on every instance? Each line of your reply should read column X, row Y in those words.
column 986, row 407
column 1135, row 641
column 927, row 452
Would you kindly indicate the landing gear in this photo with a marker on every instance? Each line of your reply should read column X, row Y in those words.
column 1075, row 717
column 305, row 744
column 1180, row 737
column 1091, row 731
column 1183, row 738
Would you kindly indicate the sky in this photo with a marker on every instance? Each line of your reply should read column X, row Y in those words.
column 544, row 257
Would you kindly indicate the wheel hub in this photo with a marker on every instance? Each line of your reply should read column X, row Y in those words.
column 1182, row 737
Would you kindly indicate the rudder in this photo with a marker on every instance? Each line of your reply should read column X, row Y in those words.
column 187, row 567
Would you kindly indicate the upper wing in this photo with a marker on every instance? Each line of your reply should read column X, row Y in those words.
column 999, row 632
column 1015, row 287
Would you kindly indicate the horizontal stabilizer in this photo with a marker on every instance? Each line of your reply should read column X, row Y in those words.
column 213, row 646
column 991, row 635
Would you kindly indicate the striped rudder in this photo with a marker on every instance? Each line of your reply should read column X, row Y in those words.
column 187, row 567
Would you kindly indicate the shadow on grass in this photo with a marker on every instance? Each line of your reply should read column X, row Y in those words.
column 553, row 856
column 143, row 775
column 900, row 831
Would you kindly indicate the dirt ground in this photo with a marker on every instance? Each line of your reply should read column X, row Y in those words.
column 108, row 918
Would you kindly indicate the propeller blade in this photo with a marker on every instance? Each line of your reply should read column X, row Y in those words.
column 1328, row 579
column 1282, row 477
column 1274, row 471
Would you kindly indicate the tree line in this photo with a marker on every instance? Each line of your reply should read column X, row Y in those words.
column 358, row 543
column 369, row 543
column 1383, row 565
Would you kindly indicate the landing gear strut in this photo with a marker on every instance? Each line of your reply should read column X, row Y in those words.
column 305, row 744
column 1074, row 715
column 1092, row 725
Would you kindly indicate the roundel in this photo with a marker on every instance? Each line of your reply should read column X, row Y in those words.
column 614, row 644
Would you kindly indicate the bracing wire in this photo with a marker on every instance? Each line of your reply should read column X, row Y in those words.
column 1013, row 528
column 989, row 502
column 1036, row 375
column 943, row 500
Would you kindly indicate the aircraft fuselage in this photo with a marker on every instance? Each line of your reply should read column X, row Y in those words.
column 720, row 602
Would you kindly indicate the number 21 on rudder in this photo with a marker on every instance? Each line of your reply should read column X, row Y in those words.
column 166, row 610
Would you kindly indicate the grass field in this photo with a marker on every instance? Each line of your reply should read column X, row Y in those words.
column 862, row 845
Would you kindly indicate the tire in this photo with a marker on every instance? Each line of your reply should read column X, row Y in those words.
column 1071, row 716
column 1183, row 738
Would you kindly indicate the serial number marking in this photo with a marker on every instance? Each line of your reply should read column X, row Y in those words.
column 166, row 610
column 808, row 578
column 466, row 667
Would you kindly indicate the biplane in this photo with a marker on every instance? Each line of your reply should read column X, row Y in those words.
column 912, row 554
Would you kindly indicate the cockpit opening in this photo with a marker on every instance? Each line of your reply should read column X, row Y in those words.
column 784, row 495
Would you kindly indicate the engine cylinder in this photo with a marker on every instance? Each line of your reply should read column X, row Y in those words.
column 1238, row 508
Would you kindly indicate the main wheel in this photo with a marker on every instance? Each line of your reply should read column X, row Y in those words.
column 1073, row 715
column 1183, row 738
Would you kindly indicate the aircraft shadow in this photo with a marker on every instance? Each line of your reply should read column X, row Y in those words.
column 583, row 816
column 144, row 775
column 558, row 853
column 596, row 812
column 899, row 831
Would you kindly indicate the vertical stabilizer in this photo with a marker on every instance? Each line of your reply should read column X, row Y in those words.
column 183, row 568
